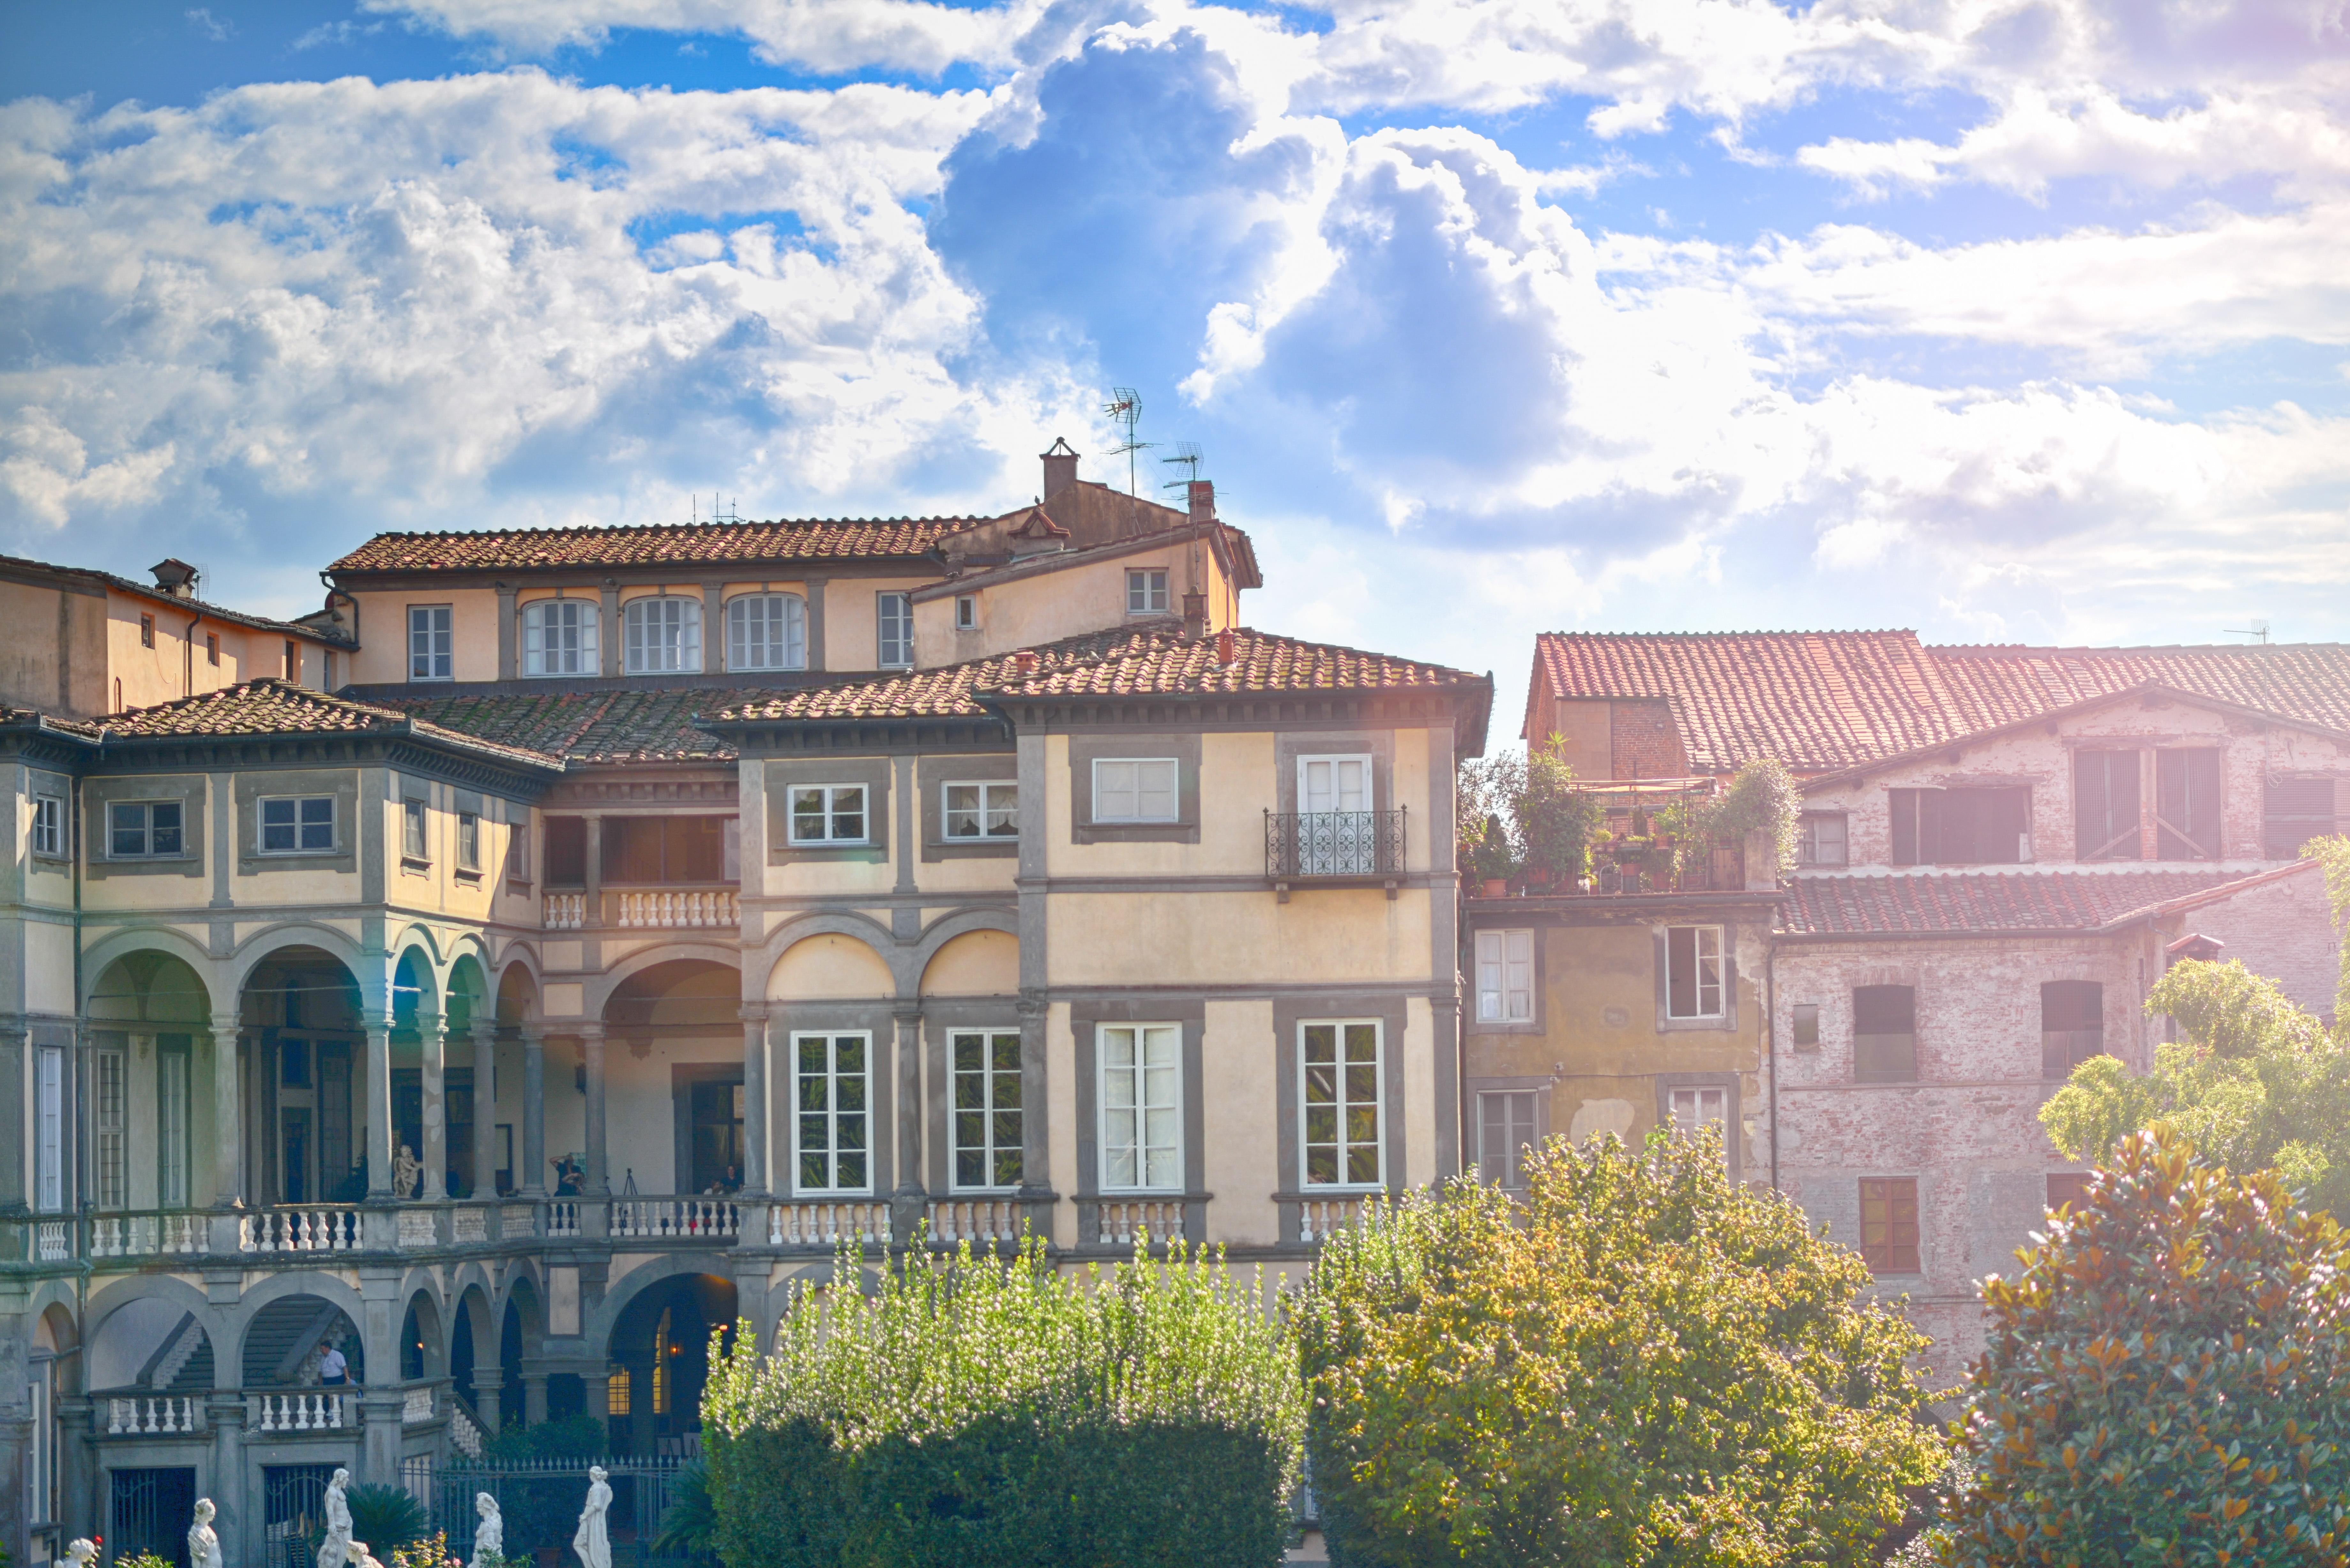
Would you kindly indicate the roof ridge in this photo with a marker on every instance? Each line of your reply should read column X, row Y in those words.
column 681, row 527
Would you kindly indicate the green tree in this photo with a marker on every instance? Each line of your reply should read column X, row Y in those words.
column 2167, row 1381
column 2256, row 1082
column 1556, row 821
column 1641, row 1363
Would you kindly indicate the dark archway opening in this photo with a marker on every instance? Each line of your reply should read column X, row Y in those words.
column 660, row 1360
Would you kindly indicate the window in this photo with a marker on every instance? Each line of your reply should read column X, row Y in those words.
column 665, row 850
column 1505, row 1135
column 2105, row 805
column 1888, row 1225
column 1134, row 789
column 2294, row 811
column 558, row 636
column 1884, row 1034
column 302, row 825
column 1145, row 593
column 429, row 643
column 2186, row 804
column 2066, row 1187
column 1142, row 1107
column 1820, row 839
column 48, row 826
column 828, row 814
column 49, row 1131
column 469, row 842
column 1700, row 1107
column 2071, row 1026
column 1341, row 1105
column 662, row 635
column 171, row 1123
column 212, row 648
column 1505, row 977
column 982, row 810
column 766, row 631
column 144, row 829
column 966, row 612
column 1807, row 1026
column 517, row 855
column 293, row 662
column 1693, row 972
column 413, row 841
column 1961, row 826
column 108, row 1169
column 615, row 1392
column 895, row 622
column 987, row 1130
column 146, row 634
column 834, row 1116
column 567, row 851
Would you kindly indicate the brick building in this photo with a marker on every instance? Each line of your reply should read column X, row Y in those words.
column 2002, row 849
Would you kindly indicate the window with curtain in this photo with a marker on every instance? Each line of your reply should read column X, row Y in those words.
column 107, row 1118
column 1142, row 1107
column 662, row 635
column 559, row 637
column 172, row 1122
column 1693, row 972
column 766, row 631
column 1505, row 977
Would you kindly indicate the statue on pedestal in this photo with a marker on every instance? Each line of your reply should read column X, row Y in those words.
column 593, row 1544
column 407, row 1170
column 335, row 1552
column 203, row 1543
column 490, row 1535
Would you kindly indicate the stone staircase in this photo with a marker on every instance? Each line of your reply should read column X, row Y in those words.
column 279, row 1347
column 183, row 1364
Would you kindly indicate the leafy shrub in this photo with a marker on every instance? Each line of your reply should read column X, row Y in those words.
column 1762, row 797
column 428, row 1552
column 1640, row 1364
column 2167, row 1380
column 689, row 1525
column 987, row 1414
column 385, row 1517
column 1557, row 821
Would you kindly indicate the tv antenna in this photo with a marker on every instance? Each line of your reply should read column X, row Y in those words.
column 1189, row 454
column 1125, row 411
column 2259, row 629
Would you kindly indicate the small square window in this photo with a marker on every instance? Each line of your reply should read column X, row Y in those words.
column 1807, row 1026
column 982, row 811
column 828, row 814
column 144, row 829
column 301, row 826
column 146, row 631
column 1134, row 789
column 48, row 836
column 1145, row 593
column 412, row 829
column 966, row 612
column 1820, row 839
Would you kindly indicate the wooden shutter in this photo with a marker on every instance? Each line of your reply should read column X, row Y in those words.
column 2105, row 805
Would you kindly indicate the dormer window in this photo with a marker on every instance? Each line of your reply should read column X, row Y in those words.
column 558, row 636
column 1145, row 593
column 966, row 612
column 663, row 636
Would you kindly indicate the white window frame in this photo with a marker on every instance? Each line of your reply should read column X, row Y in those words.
column 417, row 812
column 668, row 650
column 1371, row 782
column 781, row 623
column 574, row 650
column 49, row 1129
column 1720, row 984
column 260, row 824
column 47, row 836
column 1807, row 838
column 1146, row 591
column 469, row 841
column 1174, row 791
column 989, row 1147
column 1505, row 976
column 984, row 812
column 1344, row 1144
column 1496, row 1166
column 146, row 829
column 1141, row 1039
column 431, row 642
column 1700, row 1116
column 109, row 1119
column 893, row 630
column 966, row 612
column 174, row 1070
column 831, row 1112
column 832, row 812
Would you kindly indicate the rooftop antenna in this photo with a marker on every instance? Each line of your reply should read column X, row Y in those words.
column 1189, row 454
column 1125, row 411
column 2259, row 629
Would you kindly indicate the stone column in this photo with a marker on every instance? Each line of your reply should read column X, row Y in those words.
column 77, row 1470
column 909, row 1097
column 225, row 1412
column 754, row 1100
column 591, row 1046
column 530, row 1181
column 228, row 1106
column 378, row 1069
column 489, row 1384
column 432, row 1037
column 534, row 1398
column 485, row 1111
column 1035, row 1144
column 381, row 1398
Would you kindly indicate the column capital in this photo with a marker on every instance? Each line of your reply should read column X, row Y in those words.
column 533, row 1032
column 591, row 1032
column 907, row 1011
column 752, row 1013
column 482, row 1029
column 227, row 1023
column 1033, row 1004
column 373, row 1022
column 431, row 1022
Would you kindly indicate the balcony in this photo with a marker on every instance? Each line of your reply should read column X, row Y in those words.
column 1333, row 848
column 711, row 907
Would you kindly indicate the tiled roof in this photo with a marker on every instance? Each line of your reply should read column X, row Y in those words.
column 148, row 591
column 592, row 726
column 34, row 719
column 947, row 692
column 1820, row 701
column 651, row 544
column 272, row 707
column 1900, row 905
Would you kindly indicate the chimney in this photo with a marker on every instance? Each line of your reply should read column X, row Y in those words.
column 1225, row 646
column 1203, row 500
column 1024, row 661
column 1195, row 615
column 1060, row 468
column 175, row 578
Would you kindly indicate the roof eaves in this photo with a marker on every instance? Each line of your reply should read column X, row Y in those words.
column 2196, row 901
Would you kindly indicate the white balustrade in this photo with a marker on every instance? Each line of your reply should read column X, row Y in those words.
column 676, row 1219
column 565, row 911
column 1122, row 1219
column 299, row 1230
column 298, row 1412
column 53, row 1241
column 472, row 1226
column 562, row 1217
column 159, row 1415
column 975, row 1219
column 679, row 908
column 417, row 1408
column 148, row 1235
column 828, row 1224
column 463, row 1432
column 416, row 1227
column 1318, row 1219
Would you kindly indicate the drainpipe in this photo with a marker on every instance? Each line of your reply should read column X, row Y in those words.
column 1771, row 1042
column 188, row 638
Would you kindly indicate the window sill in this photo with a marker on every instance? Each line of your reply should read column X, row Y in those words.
column 519, row 885
column 414, row 866
column 470, row 878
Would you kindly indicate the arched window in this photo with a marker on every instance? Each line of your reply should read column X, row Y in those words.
column 558, row 636
column 766, row 631
column 663, row 636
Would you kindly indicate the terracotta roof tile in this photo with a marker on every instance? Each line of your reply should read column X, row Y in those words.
column 272, row 707
column 1821, row 702
column 1988, row 901
column 667, row 544
column 597, row 727
column 150, row 592
column 947, row 692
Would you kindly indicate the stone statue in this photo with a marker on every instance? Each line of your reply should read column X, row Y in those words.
column 203, row 1544
column 490, row 1535
column 407, row 1170
column 594, row 1546
column 335, row 1552
column 82, row 1554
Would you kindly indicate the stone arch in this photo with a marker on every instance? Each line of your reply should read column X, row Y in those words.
column 281, row 1339
column 257, row 950
column 423, row 1346
column 982, row 962
column 299, row 1285
column 154, row 1343
column 829, row 966
column 474, row 1367
column 957, row 923
column 466, row 992
column 162, row 940
column 416, row 984
column 596, row 1327
column 599, row 992
column 761, row 961
column 518, row 990
column 655, row 1331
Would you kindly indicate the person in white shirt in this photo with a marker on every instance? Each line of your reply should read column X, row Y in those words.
column 333, row 1370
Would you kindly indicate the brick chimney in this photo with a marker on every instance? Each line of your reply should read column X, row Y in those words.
column 175, row 578
column 1203, row 500
column 1060, row 468
column 1195, row 615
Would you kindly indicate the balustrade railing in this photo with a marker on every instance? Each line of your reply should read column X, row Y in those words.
column 1319, row 1219
column 416, row 1408
column 829, row 1224
column 417, row 1229
column 172, row 1233
column 954, row 1219
column 676, row 1219
column 300, row 1410
column 152, row 1415
column 1119, row 1219
column 518, row 1220
column 1309, row 843
column 471, row 1227
column 299, row 1229
column 562, row 1217
column 675, row 909
column 564, row 911
column 463, row 1432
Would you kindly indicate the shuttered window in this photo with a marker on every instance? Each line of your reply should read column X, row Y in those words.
column 2105, row 805
column 2071, row 1026
column 2186, row 804
column 1888, row 1225
column 1961, row 826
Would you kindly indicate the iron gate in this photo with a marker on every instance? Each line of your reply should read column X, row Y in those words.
column 152, row 1511
column 540, row 1501
column 293, row 1512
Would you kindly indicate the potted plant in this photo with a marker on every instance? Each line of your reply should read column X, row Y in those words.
column 1558, row 820
column 1492, row 859
column 1485, row 793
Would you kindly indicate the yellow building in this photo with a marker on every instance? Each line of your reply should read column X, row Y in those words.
column 649, row 910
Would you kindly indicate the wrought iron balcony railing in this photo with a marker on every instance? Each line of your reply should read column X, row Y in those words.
column 1306, row 845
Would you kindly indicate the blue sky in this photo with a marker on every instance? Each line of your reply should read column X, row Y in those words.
column 2011, row 320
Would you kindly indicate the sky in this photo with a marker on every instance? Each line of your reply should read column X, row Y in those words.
column 2005, row 320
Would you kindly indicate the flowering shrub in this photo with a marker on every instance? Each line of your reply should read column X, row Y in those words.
column 987, row 1414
